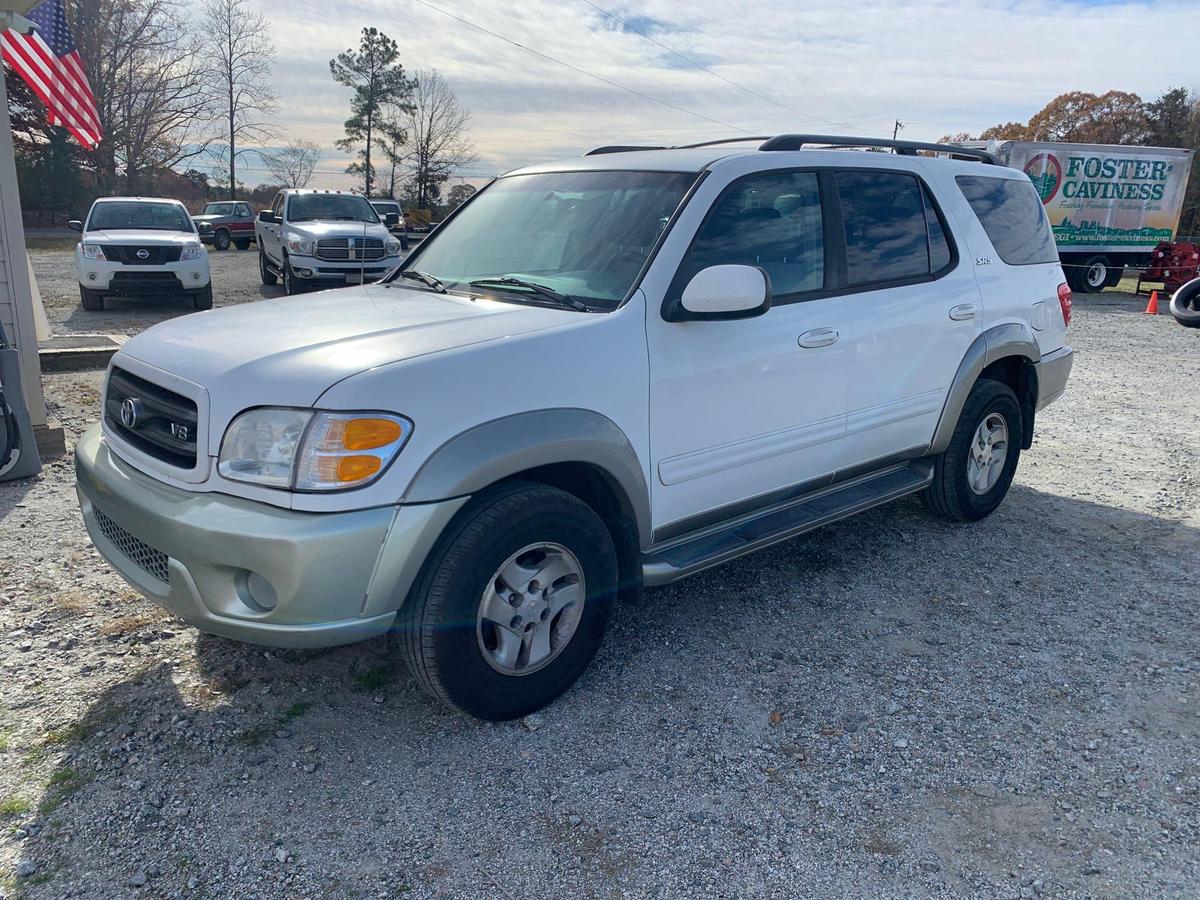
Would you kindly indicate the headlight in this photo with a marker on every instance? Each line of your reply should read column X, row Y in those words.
column 393, row 248
column 92, row 251
column 304, row 248
column 191, row 251
column 311, row 451
column 204, row 226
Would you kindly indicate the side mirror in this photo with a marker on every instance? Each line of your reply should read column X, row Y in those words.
column 726, row 292
column 391, row 219
column 75, row 225
column 266, row 215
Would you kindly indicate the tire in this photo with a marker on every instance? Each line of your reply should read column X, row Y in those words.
column 1185, row 304
column 950, row 495
column 1094, row 275
column 92, row 301
column 221, row 240
column 291, row 284
column 243, row 244
column 443, row 637
column 202, row 299
column 264, row 271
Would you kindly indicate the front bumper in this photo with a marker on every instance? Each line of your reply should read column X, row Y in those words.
column 1052, row 372
column 336, row 577
column 116, row 278
column 342, row 272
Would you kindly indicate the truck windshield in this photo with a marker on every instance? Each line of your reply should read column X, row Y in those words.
column 582, row 234
column 326, row 207
column 219, row 209
column 116, row 215
column 384, row 208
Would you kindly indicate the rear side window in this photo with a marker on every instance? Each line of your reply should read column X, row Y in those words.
column 1011, row 213
column 893, row 233
column 772, row 221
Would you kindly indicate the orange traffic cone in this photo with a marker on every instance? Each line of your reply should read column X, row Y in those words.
column 1152, row 306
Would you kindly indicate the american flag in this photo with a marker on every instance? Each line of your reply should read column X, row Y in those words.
column 49, row 62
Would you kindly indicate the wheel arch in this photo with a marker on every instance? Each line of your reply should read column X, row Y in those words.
column 1006, row 353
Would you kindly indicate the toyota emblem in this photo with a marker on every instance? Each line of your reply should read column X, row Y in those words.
column 143, row 254
column 131, row 408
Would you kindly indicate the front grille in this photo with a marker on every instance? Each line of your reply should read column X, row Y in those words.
column 339, row 248
column 341, row 270
column 143, row 282
column 127, row 254
column 163, row 422
column 141, row 554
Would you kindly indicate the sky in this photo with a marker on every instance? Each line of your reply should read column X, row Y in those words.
column 939, row 66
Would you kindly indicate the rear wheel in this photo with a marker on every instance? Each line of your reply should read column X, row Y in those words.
column 243, row 244
column 221, row 240
column 512, row 603
column 1185, row 304
column 1094, row 275
column 92, row 301
column 972, row 476
column 265, row 272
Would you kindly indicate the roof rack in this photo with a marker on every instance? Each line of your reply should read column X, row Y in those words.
column 905, row 148
column 798, row 142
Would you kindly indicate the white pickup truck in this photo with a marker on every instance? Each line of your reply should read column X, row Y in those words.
column 596, row 375
column 312, row 238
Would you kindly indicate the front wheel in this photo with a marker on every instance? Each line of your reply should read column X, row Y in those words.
column 512, row 603
column 264, row 269
column 1185, row 304
column 221, row 240
column 92, row 301
column 972, row 476
column 202, row 299
column 291, row 284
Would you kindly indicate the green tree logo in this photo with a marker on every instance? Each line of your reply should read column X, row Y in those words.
column 1045, row 172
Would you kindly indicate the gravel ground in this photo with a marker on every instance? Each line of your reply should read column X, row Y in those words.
column 890, row 707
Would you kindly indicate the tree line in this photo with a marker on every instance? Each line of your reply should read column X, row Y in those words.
column 1115, row 117
column 180, row 89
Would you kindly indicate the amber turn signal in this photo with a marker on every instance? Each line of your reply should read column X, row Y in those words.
column 356, row 468
column 368, row 434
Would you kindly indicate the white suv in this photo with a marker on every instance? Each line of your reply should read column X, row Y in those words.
column 143, row 247
column 596, row 375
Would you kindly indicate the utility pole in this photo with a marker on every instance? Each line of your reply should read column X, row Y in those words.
column 896, row 130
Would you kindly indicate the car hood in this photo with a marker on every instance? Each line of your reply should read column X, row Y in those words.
column 210, row 218
column 337, row 229
column 148, row 237
column 288, row 351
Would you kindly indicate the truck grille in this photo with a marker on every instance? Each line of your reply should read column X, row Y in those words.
column 127, row 254
column 340, row 248
column 151, row 561
column 153, row 419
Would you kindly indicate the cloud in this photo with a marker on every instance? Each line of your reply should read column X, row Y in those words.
column 938, row 65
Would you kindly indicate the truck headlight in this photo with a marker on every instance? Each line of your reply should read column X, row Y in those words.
column 300, row 247
column 305, row 450
column 92, row 251
column 191, row 251
column 393, row 248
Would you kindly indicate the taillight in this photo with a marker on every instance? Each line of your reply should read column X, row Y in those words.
column 1064, row 301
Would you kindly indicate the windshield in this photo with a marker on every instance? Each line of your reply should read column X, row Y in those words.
column 326, row 207
column 384, row 208
column 583, row 234
column 219, row 209
column 118, row 215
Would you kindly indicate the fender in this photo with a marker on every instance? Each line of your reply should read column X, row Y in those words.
column 999, row 341
column 494, row 450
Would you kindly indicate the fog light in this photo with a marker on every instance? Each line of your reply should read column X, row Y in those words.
column 195, row 276
column 91, row 276
column 306, row 273
column 256, row 591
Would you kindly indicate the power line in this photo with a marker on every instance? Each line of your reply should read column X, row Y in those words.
column 704, row 68
column 573, row 68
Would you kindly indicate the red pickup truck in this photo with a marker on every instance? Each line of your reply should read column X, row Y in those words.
column 226, row 222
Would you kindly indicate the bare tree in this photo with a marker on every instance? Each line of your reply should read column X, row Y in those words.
column 293, row 165
column 148, row 75
column 239, row 50
column 437, row 138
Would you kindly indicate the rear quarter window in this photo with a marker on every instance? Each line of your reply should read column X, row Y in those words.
column 1011, row 213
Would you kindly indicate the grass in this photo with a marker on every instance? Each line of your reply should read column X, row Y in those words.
column 5, row 740
column 129, row 624
column 11, row 807
column 257, row 734
column 372, row 679
column 62, row 784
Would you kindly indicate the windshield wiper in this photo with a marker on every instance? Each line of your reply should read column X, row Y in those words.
column 540, row 289
column 425, row 278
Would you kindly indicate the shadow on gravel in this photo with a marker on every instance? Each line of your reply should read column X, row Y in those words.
column 902, row 703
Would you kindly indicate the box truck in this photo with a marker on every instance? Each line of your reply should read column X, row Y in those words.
column 1109, row 205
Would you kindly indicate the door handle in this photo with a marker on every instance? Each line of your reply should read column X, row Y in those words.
column 963, row 311
column 818, row 337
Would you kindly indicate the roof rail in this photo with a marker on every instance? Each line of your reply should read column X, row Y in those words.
column 732, row 140
column 905, row 148
column 621, row 148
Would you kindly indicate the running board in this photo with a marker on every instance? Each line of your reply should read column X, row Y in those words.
column 694, row 552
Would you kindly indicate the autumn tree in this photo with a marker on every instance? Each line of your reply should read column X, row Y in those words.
column 380, row 85
column 459, row 194
column 437, row 129
column 238, row 45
